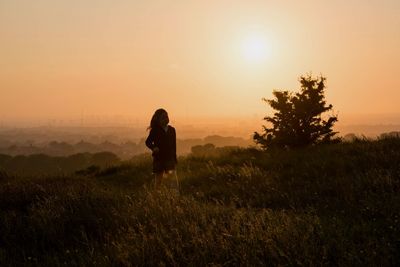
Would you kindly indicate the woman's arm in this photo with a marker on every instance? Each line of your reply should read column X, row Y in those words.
column 174, row 146
column 150, row 140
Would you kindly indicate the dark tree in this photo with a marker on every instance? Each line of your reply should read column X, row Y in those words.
column 298, row 119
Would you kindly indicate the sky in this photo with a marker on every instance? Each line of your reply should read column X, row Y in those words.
column 197, row 59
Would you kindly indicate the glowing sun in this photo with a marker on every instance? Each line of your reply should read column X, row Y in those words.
column 255, row 48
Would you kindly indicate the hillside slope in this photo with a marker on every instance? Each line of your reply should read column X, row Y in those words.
column 326, row 205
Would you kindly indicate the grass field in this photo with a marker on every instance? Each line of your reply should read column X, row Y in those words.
column 333, row 204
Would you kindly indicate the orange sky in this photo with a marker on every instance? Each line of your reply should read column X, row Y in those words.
column 59, row 59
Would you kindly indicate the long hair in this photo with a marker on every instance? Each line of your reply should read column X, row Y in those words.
column 155, row 120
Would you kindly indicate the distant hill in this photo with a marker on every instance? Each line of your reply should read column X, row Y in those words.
column 123, row 150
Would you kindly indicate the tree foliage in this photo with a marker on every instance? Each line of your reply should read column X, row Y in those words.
column 298, row 120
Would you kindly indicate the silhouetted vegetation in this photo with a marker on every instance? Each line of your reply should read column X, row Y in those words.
column 40, row 164
column 393, row 134
column 298, row 120
column 335, row 204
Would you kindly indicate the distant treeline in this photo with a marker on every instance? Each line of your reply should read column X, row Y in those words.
column 42, row 164
column 352, row 137
column 124, row 150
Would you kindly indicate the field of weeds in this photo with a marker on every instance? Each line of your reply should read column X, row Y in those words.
column 335, row 204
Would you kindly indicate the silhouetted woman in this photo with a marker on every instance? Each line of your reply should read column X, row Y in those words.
column 162, row 141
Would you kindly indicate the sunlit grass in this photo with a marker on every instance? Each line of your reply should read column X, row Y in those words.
column 326, row 205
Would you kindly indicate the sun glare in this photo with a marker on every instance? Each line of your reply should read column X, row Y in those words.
column 255, row 48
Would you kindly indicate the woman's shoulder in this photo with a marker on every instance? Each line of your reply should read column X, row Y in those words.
column 155, row 130
column 171, row 129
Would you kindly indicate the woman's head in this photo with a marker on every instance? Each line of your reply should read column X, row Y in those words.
column 160, row 118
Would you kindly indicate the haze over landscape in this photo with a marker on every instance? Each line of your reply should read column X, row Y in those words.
column 208, row 63
column 199, row 133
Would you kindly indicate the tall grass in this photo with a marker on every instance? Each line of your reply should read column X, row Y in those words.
column 325, row 205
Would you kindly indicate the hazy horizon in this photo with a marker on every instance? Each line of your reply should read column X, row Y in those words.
column 370, row 125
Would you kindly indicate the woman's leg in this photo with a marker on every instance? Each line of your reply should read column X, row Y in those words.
column 158, row 177
column 172, row 178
